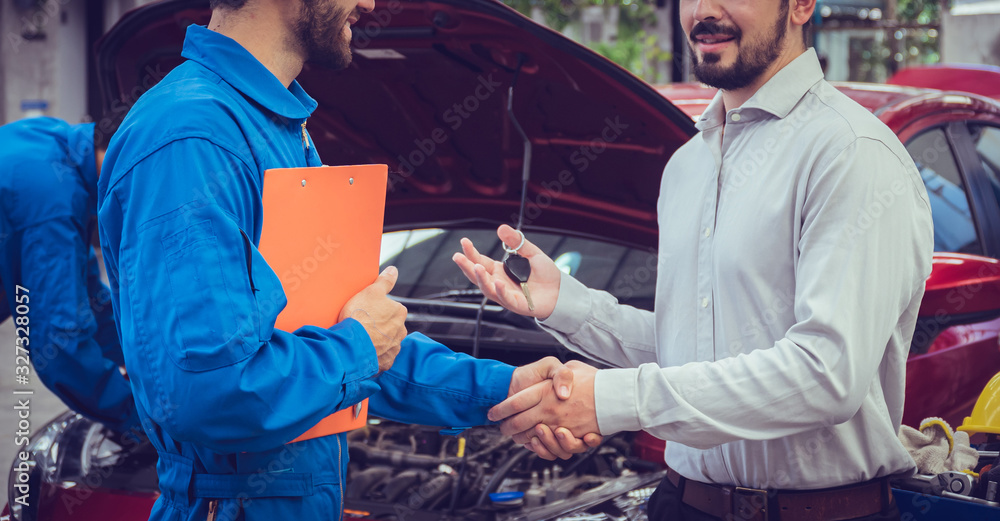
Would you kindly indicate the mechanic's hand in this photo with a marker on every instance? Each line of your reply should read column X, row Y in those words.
column 383, row 318
column 561, row 444
column 538, row 404
column 489, row 275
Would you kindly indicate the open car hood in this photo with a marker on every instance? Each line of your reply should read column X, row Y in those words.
column 427, row 94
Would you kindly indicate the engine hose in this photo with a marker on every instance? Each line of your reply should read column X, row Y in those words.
column 457, row 485
column 501, row 474
column 400, row 458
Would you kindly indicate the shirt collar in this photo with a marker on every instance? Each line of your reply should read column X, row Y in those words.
column 778, row 96
column 237, row 67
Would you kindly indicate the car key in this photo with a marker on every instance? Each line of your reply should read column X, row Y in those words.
column 519, row 269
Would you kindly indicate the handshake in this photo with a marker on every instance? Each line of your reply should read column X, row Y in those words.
column 550, row 406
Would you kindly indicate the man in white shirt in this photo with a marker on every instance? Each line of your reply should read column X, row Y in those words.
column 795, row 239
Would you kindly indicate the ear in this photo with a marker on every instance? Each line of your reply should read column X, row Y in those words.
column 802, row 11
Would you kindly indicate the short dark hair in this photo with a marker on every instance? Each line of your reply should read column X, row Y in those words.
column 232, row 4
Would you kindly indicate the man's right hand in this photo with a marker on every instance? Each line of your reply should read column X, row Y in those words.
column 383, row 318
column 489, row 275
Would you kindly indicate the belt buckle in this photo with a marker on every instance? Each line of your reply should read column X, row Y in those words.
column 748, row 502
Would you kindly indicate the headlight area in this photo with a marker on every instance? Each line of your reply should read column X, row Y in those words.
column 34, row 464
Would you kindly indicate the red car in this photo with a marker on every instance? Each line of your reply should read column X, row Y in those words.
column 428, row 93
column 979, row 79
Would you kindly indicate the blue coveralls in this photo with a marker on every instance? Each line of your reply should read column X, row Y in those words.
column 219, row 390
column 48, row 199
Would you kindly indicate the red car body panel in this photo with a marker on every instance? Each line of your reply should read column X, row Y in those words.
column 979, row 79
column 80, row 503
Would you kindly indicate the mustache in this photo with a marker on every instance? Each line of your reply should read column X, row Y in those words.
column 710, row 27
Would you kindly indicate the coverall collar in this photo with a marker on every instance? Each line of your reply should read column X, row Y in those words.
column 237, row 67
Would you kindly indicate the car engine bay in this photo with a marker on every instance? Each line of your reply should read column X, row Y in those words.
column 413, row 472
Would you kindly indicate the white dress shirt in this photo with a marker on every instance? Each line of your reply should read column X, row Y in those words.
column 793, row 251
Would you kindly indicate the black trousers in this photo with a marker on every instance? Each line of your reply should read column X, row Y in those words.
column 665, row 505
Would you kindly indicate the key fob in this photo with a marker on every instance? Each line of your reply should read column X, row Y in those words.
column 517, row 268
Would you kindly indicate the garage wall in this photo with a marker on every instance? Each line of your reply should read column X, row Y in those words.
column 971, row 34
column 43, row 57
column 43, row 54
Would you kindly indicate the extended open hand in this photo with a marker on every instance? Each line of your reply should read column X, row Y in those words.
column 489, row 275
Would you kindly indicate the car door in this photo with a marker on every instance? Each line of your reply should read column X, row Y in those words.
column 952, row 357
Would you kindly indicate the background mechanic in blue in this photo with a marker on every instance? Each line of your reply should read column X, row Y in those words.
column 219, row 390
column 48, row 202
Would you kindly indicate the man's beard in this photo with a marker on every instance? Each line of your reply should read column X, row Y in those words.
column 751, row 60
column 320, row 32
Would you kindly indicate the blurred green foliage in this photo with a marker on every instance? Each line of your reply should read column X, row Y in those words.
column 636, row 47
column 919, row 11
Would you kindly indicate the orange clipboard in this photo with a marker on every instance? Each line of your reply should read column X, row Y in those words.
column 321, row 235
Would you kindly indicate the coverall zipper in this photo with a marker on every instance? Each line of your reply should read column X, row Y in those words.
column 305, row 141
column 340, row 477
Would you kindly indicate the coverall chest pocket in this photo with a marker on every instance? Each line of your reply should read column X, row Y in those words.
column 267, row 290
column 207, row 321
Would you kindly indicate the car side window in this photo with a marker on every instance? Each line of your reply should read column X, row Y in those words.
column 954, row 228
column 987, row 141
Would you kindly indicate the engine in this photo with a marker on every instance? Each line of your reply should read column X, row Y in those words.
column 410, row 472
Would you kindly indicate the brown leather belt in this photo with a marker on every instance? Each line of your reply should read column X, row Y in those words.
column 750, row 504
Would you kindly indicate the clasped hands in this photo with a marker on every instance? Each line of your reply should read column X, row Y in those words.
column 550, row 406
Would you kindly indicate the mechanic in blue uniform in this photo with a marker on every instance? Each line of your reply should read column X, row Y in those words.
column 219, row 390
column 48, row 204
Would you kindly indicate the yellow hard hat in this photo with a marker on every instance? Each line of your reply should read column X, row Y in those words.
column 986, row 414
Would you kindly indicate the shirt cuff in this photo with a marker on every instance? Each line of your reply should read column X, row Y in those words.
column 572, row 306
column 615, row 400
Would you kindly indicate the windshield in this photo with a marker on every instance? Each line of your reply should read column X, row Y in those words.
column 426, row 270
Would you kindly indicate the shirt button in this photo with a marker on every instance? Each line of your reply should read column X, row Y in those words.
column 735, row 116
column 708, row 232
column 704, row 302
